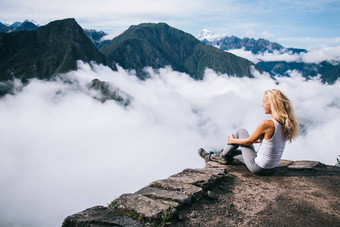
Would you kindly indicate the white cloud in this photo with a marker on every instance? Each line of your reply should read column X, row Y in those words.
column 63, row 152
column 315, row 55
column 266, row 35
column 322, row 54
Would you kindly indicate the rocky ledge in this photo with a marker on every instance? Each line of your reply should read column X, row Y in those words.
column 298, row 193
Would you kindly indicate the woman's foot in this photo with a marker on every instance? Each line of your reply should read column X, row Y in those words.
column 211, row 157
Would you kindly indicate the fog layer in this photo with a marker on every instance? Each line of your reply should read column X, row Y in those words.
column 63, row 151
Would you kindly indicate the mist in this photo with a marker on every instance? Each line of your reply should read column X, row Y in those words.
column 315, row 55
column 64, row 151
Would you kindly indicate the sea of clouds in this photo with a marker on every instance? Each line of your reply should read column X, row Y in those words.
column 63, row 151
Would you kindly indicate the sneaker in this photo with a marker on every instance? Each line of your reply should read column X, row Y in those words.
column 211, row 156
column 205, row 155
column 217, row 158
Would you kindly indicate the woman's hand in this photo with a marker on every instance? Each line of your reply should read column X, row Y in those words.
column 231, row 139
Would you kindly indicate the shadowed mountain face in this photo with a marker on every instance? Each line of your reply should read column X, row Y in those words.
column 3, row 28
column 26, row 26
column 328, row 72
column 46, row 51
column 159, row 45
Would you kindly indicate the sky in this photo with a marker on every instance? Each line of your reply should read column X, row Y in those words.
column 292, row 23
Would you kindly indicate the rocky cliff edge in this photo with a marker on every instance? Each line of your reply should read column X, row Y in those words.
column 299, row 193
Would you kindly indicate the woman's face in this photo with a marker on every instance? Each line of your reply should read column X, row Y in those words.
column 266, row 105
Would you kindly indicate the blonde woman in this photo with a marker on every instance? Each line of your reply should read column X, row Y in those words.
column 272, row 134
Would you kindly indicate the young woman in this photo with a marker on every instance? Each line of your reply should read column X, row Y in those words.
column 272, row 134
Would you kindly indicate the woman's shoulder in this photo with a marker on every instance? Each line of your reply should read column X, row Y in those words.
column 268, row 123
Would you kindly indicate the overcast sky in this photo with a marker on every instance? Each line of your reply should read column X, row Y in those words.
column 292, row 23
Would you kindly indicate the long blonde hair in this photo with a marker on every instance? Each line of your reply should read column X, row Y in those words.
column 283, row 111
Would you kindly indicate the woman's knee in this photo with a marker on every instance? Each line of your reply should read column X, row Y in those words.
column 242, row 133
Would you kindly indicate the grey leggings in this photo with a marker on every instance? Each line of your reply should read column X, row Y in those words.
column 248, row 154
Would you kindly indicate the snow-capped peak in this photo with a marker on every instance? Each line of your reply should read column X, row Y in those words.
column 209, row 35
column 32, row 21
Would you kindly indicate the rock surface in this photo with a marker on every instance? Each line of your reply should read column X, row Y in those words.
column 301, row 193
column 100, row 216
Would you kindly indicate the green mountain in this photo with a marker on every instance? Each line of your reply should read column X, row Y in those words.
column 46, row 51
column 159, row 45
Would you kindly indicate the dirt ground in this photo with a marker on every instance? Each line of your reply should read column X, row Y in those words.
column 289, row 197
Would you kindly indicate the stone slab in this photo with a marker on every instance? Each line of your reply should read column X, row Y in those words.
column 100, row 216
column 157, row 193
column 210, row 165
column 142, row 205
column 284, row 163
column 188, row 189
column 303, row 165
column 218, row 172
column 194, row 177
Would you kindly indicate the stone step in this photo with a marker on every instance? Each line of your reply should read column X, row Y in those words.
column 157, row 193
column 161, row 198
column 188, row 189
column 137, row 205
column 196, row 177
column 166, row 195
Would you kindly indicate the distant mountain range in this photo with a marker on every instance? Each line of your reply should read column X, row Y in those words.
column 18, row 26
column 329, row 72
column 29, row 51
column 256, row 46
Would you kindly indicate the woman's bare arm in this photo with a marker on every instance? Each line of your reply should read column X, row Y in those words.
column 264, row 127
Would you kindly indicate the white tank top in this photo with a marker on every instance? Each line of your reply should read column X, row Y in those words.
column 270, row 151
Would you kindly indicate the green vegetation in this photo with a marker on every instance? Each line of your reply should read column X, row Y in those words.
column 163, row 221
column 113, row 205
column 229, row 175
column 165, row 218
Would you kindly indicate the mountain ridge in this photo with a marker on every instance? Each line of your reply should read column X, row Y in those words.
column 225, row 42
column 46, row 51
column 329, row 72
column 159, row 45
column 19, row 26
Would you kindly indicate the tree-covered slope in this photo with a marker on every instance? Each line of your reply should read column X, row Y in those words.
column 159, row 45
column 46, row 51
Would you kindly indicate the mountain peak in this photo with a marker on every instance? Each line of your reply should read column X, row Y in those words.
column 46, row 51
column 26, row 26
column 208, row 35
column 159, row 45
